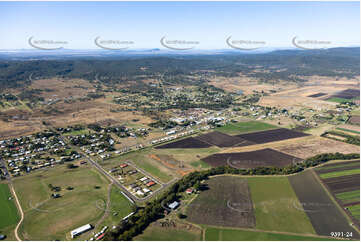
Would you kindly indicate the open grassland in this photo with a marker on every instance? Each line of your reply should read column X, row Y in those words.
column 119, row 207
column 189, row 155
column 339, row 173
column 200, row 164
column 142, row 160
column 245, row 127
column 49, row 218
column 349, row 197
column 225, row 202
column 273, row 198
column 78, row 132
column 157, row 233
column 338, row 100
column 8, row 211
column 222, row 234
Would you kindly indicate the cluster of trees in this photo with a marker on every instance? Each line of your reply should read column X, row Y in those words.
column 351, row 139
column 154, row 210
column 165, row 124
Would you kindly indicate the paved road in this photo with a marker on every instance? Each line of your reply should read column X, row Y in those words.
column 113, row 179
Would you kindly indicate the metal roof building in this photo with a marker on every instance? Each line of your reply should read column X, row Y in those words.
column 80, row 230
column 173, row 205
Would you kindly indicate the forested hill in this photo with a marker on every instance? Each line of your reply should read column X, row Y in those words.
column 290, row 65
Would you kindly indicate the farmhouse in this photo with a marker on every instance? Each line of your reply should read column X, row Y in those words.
column 80, row 230
column 151, row 183
column 189, row 191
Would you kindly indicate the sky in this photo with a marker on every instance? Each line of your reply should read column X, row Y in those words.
column 207, row 25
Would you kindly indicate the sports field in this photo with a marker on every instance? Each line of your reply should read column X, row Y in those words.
column 120, row 207
column 273, row 199
column 47, row 218
column 244, row 127
column 218, row 234
column 8, row 211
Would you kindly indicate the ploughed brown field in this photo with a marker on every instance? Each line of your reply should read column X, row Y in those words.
column 258, row 158
column 223, row 140
column 347, row 94
column 320, row 94
column 343, row 183
column 184, row 143
column 271, row 135
column 324, row 215
column 331, row 169
column 227, row 202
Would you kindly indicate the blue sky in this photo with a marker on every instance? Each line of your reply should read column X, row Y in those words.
column 209, row 23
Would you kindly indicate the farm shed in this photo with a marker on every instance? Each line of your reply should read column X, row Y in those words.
column 80, row 230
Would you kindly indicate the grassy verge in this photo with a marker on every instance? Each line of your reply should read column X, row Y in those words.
column 8, row 211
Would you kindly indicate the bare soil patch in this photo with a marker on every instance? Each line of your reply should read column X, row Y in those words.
column 223, row 140
column 319, row 94
column 184, row 143
column 259, row 158
column 317, row 145
column 271, row 135
column 348, row 94
column 343, row 183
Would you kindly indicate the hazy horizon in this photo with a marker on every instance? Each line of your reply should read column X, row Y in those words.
column 202, row 25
